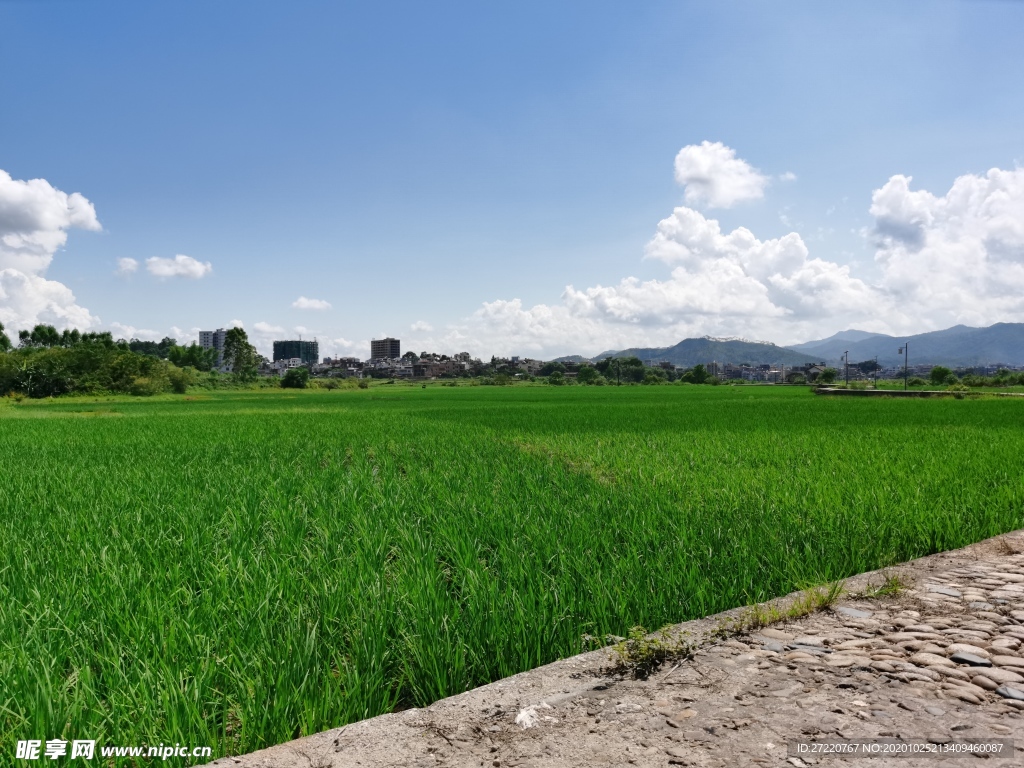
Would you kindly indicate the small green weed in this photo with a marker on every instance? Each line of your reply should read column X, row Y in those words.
column 764, row 614
column 892, row 584
column 641, row 654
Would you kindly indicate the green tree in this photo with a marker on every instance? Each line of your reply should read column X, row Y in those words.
column 700, row 374
column 40, row 336
column 239, row 355
column 587, row 375
column 939, row 374
column 193, row 356
column 181, row 378
column 5, row 343
column 827, row 376
column 295, row 378
column 549, row 368
column 159, row 349
column 557, row 378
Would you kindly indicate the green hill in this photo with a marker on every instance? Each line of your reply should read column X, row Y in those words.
column 690, row 352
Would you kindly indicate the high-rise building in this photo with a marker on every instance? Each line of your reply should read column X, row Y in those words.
column 214, row 340
column 385, row 349
column 307, row 351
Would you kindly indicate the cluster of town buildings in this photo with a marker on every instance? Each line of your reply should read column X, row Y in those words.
column 387, row 361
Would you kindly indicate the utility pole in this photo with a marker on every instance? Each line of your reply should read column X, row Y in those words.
column 905, row 351
column 876, row 371
column 847, row 356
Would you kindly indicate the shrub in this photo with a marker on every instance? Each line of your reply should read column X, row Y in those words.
column 145, row 386
column 364, row 384
column 958, row 390
column 916, row 381
column 556, row 379
column 939, row 374
column 181, row 378
column 295, row 378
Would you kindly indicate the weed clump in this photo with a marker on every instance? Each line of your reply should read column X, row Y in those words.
column 640, row 654
column 892, row 584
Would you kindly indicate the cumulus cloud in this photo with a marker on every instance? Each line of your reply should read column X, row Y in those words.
column 342, row 347
column 421, row 326
column 262, row 327
column 787, row 176
column 714, row 177
column 944, row 259
column 127, row 266
column 34, row 220
column 955, row 258
column 27, row 299
column 303, row 303
column 179, row 266
column 723, row 284
column 123, row 331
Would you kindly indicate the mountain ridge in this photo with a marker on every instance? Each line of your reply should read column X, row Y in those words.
column 959, row 346
column 706, row 349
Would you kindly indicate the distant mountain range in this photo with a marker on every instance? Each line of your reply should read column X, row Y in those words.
column 690, row 352
column 957, row 346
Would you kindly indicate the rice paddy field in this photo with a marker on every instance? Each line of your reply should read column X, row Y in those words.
column 237, row 569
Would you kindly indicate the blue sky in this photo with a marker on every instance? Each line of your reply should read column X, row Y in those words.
column 427, row 165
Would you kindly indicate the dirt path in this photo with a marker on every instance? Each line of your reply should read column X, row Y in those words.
column 919, row 667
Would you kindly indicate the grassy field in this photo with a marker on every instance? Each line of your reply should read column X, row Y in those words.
column 238, row 569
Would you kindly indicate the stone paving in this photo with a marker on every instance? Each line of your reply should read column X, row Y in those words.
column 939, row 664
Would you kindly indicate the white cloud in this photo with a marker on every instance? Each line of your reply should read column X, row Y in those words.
column 958, row 258
column 179, row 266
column 787, row 176
column 421, row 326
column 127, row 266
column 262, row 327
column 185, row 337
column 954, row 258
column 27, row 299
column 303, row 303
column 301, row 330
column 122, row 331
column 342, row 347
column 715, row 177
column 34, row 219
column 236, row 324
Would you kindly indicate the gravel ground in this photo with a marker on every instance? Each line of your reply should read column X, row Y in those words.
column 937, row 666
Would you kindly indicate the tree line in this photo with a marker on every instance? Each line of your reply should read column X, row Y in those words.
column 47, row 363
column 625, row 370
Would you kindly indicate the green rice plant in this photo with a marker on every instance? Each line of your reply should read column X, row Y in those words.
column 238, row 568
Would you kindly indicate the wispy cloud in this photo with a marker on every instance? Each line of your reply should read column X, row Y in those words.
column 179, row 266
column 303, row 303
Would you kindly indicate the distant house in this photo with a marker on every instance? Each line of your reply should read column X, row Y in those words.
column 814, row 370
